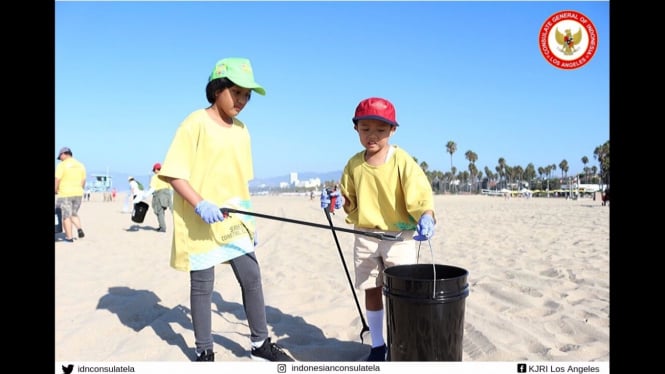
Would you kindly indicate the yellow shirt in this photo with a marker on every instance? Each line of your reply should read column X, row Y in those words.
column 389, row 197
column 71, row 173
column 157, row 183
column 217, row 162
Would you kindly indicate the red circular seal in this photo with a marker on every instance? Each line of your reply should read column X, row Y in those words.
column 568, row 39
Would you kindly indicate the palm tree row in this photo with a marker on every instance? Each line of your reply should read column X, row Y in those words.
column 511, row 176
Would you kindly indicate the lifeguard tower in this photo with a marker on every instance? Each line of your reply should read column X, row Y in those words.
column 100, row 183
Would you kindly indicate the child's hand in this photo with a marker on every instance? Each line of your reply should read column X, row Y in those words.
column 325, row 199
column 339, row 202
column 209, row 212
column 425, row 227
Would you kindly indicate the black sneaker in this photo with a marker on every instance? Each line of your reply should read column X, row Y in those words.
column 81, row 233
column 206, row 355
column 270, row 352
column 377, row 353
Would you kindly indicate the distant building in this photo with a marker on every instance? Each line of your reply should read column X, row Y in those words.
column 312, row 182
column 295, row 182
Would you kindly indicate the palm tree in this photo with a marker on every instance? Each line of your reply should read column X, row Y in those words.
column 472, row 157
column 553, row 168
column 585, row 160
column 451, row 148
column 473, row 171
column 424, row 166
column 530, row 174
column 563, row 165
column 516, row 174
column 541, row 171
column 489, row 175
column 502, row 169
column 602, row 154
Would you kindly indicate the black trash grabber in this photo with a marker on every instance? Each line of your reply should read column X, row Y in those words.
column 365, row 327
column 377, row 235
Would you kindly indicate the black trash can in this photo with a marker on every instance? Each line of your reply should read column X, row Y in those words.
column 140, row 209
column 425, row 311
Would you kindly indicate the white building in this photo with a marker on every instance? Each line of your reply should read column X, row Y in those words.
column 295, row 182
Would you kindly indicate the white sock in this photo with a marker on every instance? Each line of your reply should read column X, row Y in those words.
column 199, row 353
column 375, row 322
column 258, row 344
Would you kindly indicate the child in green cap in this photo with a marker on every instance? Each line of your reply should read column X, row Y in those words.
column 209, row 165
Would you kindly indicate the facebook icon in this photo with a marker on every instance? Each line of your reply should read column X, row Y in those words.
column 521, row 368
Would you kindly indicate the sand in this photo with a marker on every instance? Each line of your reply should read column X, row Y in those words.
column 538, row 276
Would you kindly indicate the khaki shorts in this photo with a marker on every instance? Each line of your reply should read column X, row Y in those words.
column 371, row 256
column 70, row 205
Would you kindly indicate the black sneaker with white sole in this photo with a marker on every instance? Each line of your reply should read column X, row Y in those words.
column 377, row 353
column 270, row 352
column 206, row 355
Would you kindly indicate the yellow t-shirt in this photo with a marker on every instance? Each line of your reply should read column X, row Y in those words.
column 217, row 162
column 71, row 173
column 389, row 197
column 157, row 183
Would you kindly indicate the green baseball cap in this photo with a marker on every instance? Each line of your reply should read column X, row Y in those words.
column 239, row 71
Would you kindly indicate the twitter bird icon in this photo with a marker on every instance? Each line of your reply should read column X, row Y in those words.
column 67, row 369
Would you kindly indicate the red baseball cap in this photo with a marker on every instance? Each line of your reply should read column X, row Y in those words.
column 157, row 166
column 376, row 108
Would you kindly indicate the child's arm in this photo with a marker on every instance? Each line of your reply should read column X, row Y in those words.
column 185, row 190
column 208, row 211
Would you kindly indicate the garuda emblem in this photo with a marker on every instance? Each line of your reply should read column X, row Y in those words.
column 568, row 40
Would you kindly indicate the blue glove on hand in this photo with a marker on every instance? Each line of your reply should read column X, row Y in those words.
column 425, row 227
column 209, row 212
column 339, row 202
column 325, row 199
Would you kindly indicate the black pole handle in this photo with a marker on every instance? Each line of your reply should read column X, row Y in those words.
column 365, row 327
column 378, row 235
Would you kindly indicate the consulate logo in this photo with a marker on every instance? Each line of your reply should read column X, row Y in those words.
column 568, row 40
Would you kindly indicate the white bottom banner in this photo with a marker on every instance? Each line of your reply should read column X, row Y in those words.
column 331, row 367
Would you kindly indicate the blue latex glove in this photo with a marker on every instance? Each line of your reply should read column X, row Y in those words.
column 339, row 202
column 325, row 199
column 425, row 227
column 209, row 212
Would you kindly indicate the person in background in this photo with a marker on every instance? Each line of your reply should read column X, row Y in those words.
column 383, row 190
column 70, row 178
column 161, row 196
column 134, row 190
column 334, row 196
column 209, row 165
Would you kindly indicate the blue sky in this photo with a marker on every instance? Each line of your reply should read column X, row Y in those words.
column 127, row 74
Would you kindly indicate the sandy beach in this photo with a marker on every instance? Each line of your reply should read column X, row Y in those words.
column 538, row 281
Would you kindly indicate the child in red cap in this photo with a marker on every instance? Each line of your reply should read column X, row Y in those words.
column 384, row 190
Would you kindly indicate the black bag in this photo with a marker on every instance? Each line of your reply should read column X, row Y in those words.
column 140, row 209
column 58, row 220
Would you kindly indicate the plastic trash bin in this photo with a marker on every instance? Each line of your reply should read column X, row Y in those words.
column 425, row 311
